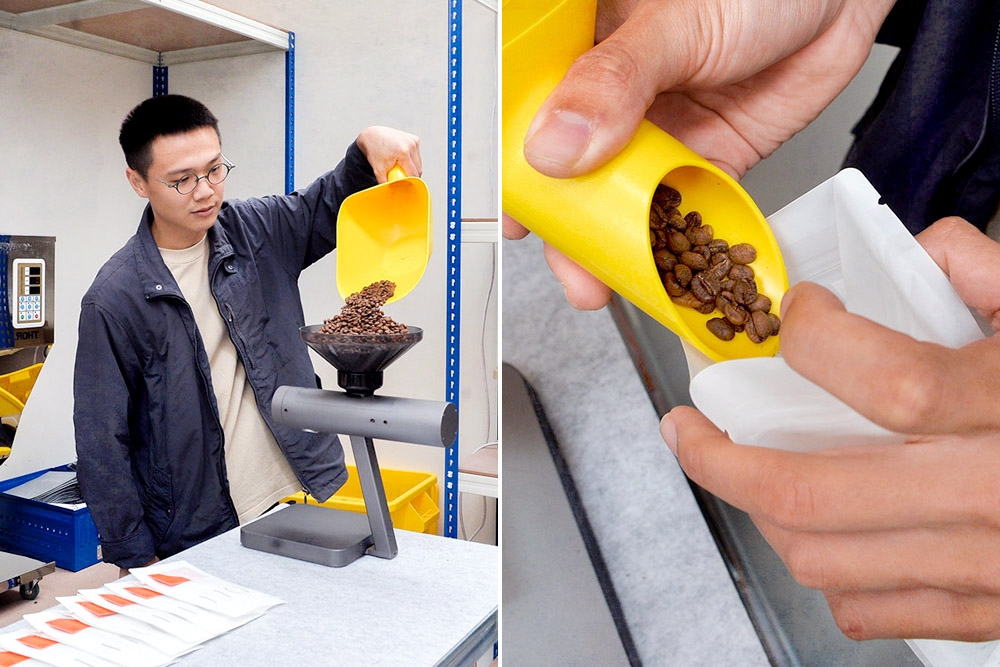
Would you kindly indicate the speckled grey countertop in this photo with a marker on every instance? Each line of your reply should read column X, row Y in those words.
column 678, row 600
column 436, row 600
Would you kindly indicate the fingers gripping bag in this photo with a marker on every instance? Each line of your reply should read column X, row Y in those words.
column 840, row 236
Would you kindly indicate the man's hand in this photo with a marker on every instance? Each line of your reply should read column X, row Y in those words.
column 386, row 147
column 901, row 539
column 732, row 80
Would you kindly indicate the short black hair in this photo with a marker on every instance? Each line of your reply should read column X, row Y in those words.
column 156, row 117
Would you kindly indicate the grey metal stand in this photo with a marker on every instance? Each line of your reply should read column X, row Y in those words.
column 376, row 503
column 337, row 537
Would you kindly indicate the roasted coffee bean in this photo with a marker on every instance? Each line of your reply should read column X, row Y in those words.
column 761, row 302
column 657, row 217
column 718, row 245
column 741, row 272
column 672, row 285
column 705, row 288
column 735, row 313
column 744, row 291
column 706, row 308
column 721, row 329
column 694, row 260
column 666, row 196
column 708, row 274
column 677, row 242
column 758, row 327
column 700, row 235
column 687, row 299
column 742, row 253
column 720, row 270
column 684, row 274
column 775, row 323
column 664, row 259
column 676, row 220
column 362, row 313
column 724, row 299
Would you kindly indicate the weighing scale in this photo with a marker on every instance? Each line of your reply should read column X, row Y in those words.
column 337, row 537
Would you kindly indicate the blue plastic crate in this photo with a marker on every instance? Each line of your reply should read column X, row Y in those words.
column 45, row 531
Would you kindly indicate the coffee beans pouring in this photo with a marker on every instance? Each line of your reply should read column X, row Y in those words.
column 705, row 273
column 362, row 313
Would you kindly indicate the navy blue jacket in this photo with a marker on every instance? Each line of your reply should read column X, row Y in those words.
column 929, row 143
column 149, row 442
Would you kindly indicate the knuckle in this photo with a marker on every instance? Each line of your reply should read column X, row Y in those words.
column 914, row 399
column 786, row 498
column 804, row 559
column 611, row 69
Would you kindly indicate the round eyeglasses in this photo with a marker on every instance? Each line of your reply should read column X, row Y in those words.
column 187, row 183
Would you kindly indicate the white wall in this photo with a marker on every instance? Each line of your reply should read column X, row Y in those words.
column 357, row 64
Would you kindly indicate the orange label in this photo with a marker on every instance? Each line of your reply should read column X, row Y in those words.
column 96, row 609
column 145, row 593
column 116, row 600
column 168, row 579
column 8, row 658
column 36, row 641
column 70, row 625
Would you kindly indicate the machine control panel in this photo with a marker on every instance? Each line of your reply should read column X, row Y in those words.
column 29, row 293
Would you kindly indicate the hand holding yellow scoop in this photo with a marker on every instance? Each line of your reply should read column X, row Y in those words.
column 601, row 220
column 384, row 233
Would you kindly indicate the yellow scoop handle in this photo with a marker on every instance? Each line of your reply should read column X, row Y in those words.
column 601, row 220
column 384, row 233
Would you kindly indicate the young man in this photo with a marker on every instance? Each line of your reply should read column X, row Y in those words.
column 188, row 330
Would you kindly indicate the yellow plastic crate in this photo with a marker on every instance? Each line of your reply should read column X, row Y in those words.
column 19, row 383
column 411, row 496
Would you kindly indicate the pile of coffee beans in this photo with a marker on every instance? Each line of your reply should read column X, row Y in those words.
column 702, row 272
column 362, row 313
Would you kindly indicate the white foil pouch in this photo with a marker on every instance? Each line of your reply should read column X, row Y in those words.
column 837, row 235
column 840, row 236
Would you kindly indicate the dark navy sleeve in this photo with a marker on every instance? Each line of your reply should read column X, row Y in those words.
column 301, row 228
column 930, row 141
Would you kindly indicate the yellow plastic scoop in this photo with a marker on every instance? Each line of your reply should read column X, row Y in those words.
column 601, row 220
column 384, row 233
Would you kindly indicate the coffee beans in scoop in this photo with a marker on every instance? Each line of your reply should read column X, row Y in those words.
column 362, row 313
column 706, row 273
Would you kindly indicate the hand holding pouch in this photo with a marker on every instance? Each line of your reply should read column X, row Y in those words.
column 838, row 235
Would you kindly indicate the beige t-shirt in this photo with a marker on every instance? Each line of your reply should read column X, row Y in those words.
column 259, row 475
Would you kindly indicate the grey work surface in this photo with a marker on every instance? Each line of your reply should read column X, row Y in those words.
column 438, row 597
column 546, row 562
column 677, row 598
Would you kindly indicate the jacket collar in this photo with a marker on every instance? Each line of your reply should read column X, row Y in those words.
column 155, row 278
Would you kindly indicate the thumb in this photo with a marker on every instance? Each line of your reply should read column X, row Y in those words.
column 597, row 107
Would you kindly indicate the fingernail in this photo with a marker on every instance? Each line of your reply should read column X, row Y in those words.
column 561, row 138
column 669, row 432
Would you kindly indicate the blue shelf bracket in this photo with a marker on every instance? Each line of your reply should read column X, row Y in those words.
column 454, row 275
column 159, row 78
column 290, row 115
